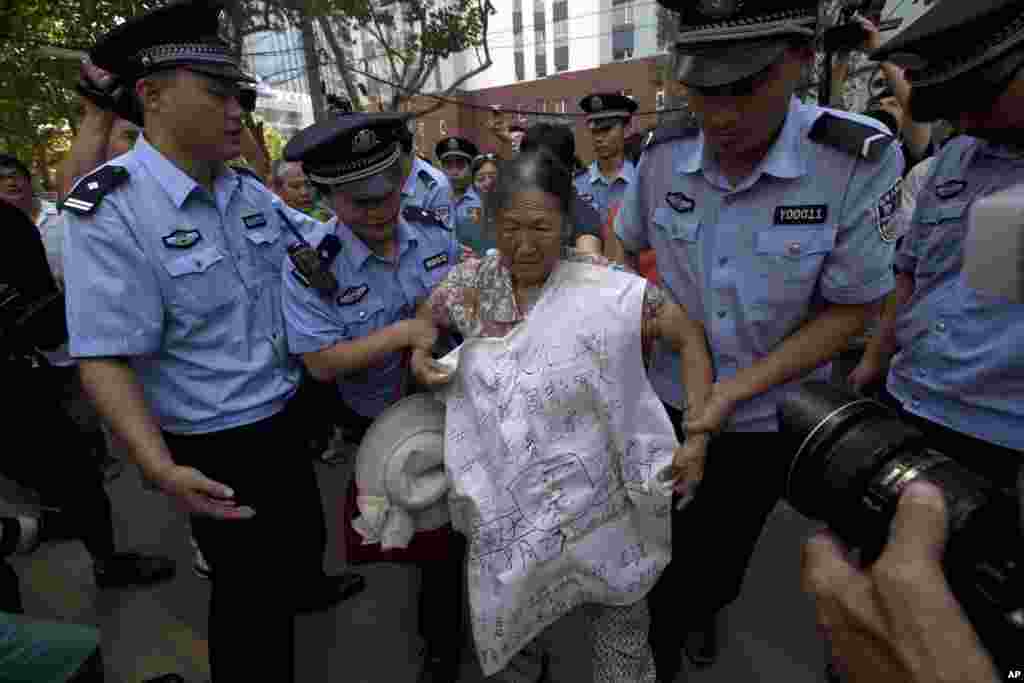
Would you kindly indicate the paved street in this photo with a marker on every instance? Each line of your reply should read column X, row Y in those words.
column 372, row 638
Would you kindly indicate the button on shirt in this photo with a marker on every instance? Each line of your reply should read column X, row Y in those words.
column 372, row 294
column 187, row 285
column 428, row 188
column 595, row 189
column 961, row 362
column 755, row 262
column 469, row 223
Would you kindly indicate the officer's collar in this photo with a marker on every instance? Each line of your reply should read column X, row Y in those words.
column 785, row 158
column 626, row 173
column 356, row 250
column 176, row 183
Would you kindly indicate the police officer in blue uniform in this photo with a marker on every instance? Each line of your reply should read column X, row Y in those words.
column 957, row 369
column 384, row 260
column 604, row 182
column 456, row 156
column 425, row 187
column 771, row 224
column 173, row 269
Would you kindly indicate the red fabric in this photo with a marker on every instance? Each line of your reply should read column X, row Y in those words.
column 647, row 263
column 426, row 546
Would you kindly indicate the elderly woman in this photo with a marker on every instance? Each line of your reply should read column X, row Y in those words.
column 556, row 446
column 485, row 173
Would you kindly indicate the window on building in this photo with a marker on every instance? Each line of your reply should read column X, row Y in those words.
column 561, row 57
column 542, row 65
column 623, row 31
column 520, row 66
column 659, row 100
column 622, row 12
column 561, row 107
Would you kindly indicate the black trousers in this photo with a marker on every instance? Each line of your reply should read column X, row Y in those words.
column 260, row 565
column 441, row 583
column 56, row 460
column 714, row 538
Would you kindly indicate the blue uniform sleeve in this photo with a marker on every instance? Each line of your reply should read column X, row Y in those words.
column 114, row 300
column 439, row 200
column 308, row 321
column 631, row 227
column 859, row 268
column 307, row 226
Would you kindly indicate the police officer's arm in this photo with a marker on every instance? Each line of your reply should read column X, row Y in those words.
column 856, row 276
column 115, row 311
column 315, row 332
column 629, row 236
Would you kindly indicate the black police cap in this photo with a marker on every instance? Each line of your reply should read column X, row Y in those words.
column 455, row 146
column 348, row 149
column 184, row 33
column 954, row 38
column 605, row 109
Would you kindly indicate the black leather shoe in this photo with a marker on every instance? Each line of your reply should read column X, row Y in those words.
column 701, row 644
column 132, row 569
column 330, row 591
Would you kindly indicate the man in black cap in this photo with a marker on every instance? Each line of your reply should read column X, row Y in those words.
column 381, row 261
column 173, row 270
column 771, row 223
column 955, row 352
column 603, row 184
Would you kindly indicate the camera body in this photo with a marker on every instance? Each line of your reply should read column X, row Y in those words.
column 28, row 323
column 853, row 459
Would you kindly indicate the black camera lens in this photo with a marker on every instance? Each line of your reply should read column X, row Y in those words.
column 853, row 457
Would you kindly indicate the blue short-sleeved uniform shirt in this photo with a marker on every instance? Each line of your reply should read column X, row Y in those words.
column 469, row 222
column 961, row 362
column 594, row 189
column 809, row 226
column 428, row 188
column 186, row 284
column 373, row 293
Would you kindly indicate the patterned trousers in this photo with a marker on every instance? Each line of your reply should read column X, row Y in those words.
column 616, row 649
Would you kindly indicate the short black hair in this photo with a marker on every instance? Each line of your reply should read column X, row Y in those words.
column 11, row 161
column 556, row 138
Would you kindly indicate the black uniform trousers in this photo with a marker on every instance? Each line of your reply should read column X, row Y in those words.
column 713, row 538
column 441, row 583
column 260, row 565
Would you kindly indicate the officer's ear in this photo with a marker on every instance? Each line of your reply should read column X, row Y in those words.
column 149, row 89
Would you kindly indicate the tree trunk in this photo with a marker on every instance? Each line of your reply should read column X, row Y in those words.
column 309, row 50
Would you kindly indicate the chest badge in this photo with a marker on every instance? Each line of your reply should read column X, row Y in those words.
column 436, row 261
column 182, row 239
column 680, row 202
column 807, row 214
column 950, row 189
column 254, row 220
column 886, row 210
column 353, row 295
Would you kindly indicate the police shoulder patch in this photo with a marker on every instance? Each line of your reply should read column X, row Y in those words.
column 672, row 131
column 888, row 204
column 416, row 214
column 853, row 137
column 87, row 193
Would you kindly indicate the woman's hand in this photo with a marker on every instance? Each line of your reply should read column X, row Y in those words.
column 427, row 371
column 717, row 410
column 688, row 465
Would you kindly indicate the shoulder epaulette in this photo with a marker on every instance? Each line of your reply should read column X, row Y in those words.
column 329, row 248
column 672, row 131
column 245, row 170
column 417, row 214
column 426, row 178
column 85, row 196
column 853, row 137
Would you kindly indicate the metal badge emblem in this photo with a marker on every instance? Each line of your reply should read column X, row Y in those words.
column 596, row 104
column 453, row 145
column 364, row 141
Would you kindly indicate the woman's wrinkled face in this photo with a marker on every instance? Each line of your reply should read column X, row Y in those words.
column 487, row 176
column 529, row 235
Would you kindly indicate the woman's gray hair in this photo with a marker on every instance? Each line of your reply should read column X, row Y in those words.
column 534, row 170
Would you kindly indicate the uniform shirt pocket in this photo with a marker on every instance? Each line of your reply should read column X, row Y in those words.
column 198, row 279
column 677, row 226
column 266, row 248
column 793, row 255
column 362, row 318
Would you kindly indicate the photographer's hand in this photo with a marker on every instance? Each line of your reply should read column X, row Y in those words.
column 898, row 620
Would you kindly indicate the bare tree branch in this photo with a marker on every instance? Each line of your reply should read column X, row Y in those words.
column 341, row 60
